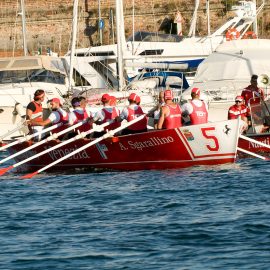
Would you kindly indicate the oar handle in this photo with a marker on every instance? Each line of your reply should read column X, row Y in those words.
column 52, row 137
column 30, row 136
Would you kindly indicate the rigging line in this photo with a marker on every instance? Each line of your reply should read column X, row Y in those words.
column 15, row 29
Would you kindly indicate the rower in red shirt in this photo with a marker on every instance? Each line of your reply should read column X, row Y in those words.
column 130, row 113
column 196, row 109
column 170, row 113
column 107, row 113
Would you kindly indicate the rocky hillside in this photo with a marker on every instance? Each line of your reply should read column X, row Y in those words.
column 48, row 23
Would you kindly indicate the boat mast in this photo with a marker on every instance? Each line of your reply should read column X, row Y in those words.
column 73, row 41
column 208, row 18
column 120, row 42
column 22, row 13
column 192, row 29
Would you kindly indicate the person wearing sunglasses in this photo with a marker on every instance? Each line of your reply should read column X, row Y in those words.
column 239, row 109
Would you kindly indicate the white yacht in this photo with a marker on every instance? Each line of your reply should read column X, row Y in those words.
column 20, row 77
column 227, row 71
column 99, row 65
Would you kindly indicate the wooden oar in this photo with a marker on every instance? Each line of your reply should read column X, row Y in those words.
column 254, row 141
column 251, row 153
column 109, row 134
column 30, row 136
column 52, row 137
column 77, row 137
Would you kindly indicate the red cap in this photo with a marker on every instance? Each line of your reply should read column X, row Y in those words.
column 196, row 91
column 168, row 94
column 138, row 100
column 56, row 100
column 239, row 98
column 133, row 97
column 105, row 98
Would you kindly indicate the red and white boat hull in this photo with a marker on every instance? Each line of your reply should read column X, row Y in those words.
column 207, row 144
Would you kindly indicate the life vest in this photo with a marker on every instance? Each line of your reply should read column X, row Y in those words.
column 133, row 114
column 236, row 112
column 63, row 118
column 81, row 117
column 199, row 115
column 174, row 118
column 38, row 112
column 252, row 95
column 110, row 116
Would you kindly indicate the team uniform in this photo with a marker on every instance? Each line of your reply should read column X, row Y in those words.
column 107, row 114
column 236, row 112
column 79, row 115
column 240, row 111
column 174, row 118
column 197, row 111
column 252, row 95
column 59, row 116
column 130, row 113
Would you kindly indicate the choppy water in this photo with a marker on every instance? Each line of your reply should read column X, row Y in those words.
column 198, row 218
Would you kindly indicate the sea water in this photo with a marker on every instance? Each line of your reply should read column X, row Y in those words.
column 197, row 218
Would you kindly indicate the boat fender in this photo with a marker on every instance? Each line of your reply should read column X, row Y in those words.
column 19, row 110
column 249, row 35
column 232, row 34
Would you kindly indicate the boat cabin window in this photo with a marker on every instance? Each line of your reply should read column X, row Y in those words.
column 152, row 52
column 154, row 37
column 41, row 75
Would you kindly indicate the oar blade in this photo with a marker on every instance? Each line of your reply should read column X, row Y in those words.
column 4, row 170
column 29, row 175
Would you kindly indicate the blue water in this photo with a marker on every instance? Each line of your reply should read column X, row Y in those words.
column 198, row 218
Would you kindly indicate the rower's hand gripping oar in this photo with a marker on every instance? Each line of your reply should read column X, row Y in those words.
column 108, row 134
column 30, row 136
column 52, row 137
column 77, row 137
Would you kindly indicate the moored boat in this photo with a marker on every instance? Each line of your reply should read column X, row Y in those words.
column 206, row 144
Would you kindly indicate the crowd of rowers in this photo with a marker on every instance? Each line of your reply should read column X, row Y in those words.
column 166, row 114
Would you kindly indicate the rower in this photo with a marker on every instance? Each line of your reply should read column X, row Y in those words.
column 106, row 114
column 196, row 109
column 34, row 111
column 170, row 113
column 79, row 114
column 131, row 112
column 58, row 115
